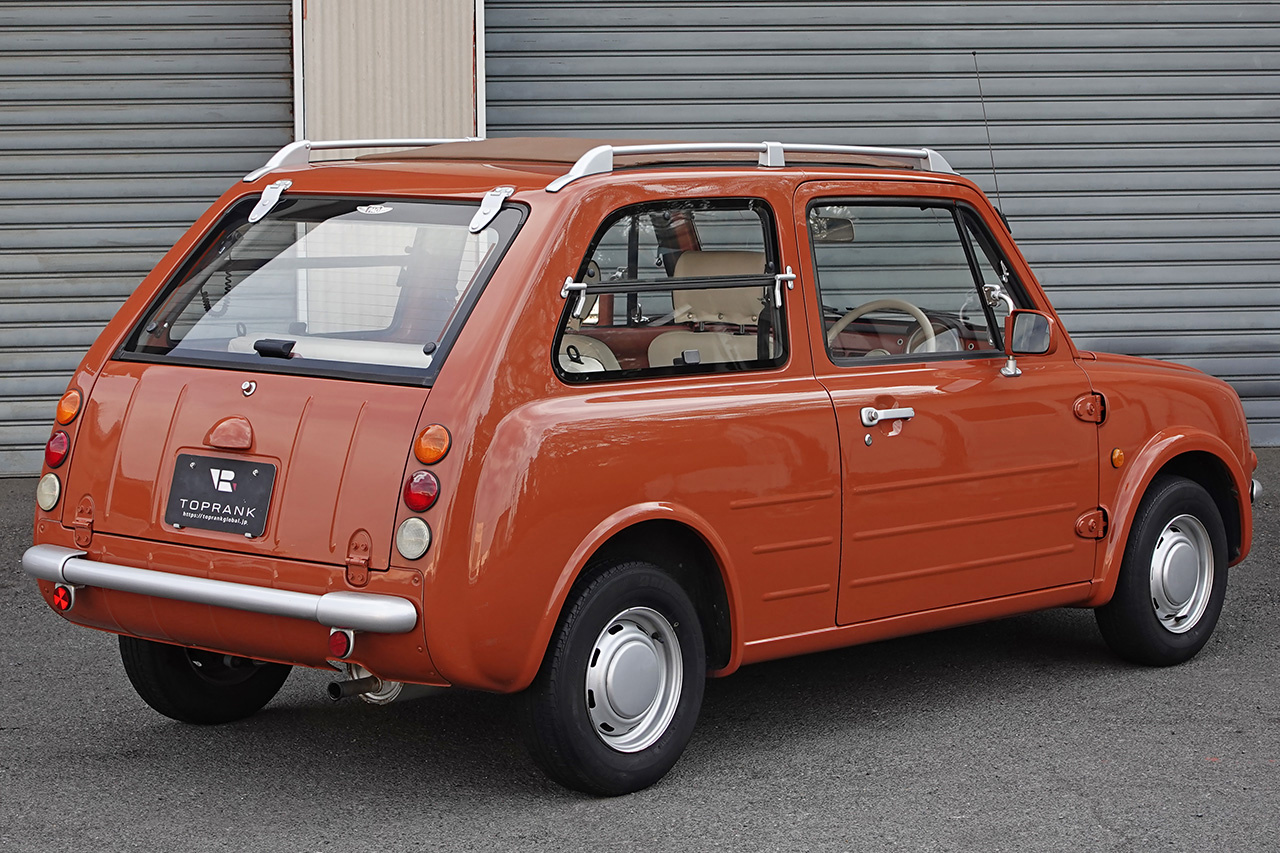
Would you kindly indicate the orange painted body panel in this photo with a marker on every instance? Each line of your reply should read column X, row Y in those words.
column 965, row 512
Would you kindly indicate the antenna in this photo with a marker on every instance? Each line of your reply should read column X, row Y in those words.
column 990, row 149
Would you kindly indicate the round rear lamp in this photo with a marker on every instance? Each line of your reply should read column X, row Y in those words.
column 55, row 452
column 432, row 444
column 68, row 407
column 421, row 491
column 413, row 538
column 48, row 491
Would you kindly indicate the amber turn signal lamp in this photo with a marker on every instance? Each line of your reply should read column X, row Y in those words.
column 55, row 452
column 432, row 444
column 68, row 407
column 421, row 491
column 1117, row 458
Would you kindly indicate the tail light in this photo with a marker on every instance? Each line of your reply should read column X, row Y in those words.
column 421, row 491
column 55, row 452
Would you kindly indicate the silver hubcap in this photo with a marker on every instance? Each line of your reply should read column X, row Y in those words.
column 634, row 676
column 1181, row 573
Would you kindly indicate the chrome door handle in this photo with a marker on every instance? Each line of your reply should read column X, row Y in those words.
column 872, row 416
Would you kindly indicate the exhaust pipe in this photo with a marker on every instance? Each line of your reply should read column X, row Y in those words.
column 354, row 687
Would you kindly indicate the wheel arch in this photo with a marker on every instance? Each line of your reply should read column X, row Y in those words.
column 678, row 541
column 1198, row 456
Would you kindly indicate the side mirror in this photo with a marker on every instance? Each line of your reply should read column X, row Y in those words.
column 1027, row 333
column 830, row 229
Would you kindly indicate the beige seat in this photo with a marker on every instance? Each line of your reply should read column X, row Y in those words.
column 722, row 306
column 590, row 351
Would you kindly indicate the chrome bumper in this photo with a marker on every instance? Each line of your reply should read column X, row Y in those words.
column 359, row 611
column 1255, row 491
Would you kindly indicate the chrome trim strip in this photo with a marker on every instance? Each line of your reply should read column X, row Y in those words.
column 359, row 611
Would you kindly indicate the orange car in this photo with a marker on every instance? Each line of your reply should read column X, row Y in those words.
column 592, row 421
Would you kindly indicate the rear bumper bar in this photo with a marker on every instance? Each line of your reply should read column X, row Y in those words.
column 359, row 611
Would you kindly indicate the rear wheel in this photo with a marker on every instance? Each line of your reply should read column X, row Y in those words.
column 196, row 686
column 1173, row 579
column 619, row 692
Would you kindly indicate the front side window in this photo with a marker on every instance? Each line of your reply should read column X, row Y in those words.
column 671, row 288
column 908, row 280
column 329, row 286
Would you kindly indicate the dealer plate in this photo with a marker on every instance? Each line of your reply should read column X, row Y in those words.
column 230, row 495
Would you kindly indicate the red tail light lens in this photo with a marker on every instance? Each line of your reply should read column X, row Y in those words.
column 421, row 491
column 55, row 452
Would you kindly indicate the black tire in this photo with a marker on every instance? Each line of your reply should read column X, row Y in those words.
column 196, row 686
column 1176, row 532
column 611, row 620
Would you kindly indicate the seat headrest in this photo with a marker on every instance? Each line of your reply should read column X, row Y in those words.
column 699, row 264
column 739, row 306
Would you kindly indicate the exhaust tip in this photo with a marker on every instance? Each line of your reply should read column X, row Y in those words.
column 339, row 690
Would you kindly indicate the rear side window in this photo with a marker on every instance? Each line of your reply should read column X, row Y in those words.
column 328, row 286
column 672, row 288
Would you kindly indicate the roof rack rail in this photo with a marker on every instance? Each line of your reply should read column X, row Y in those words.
column 299, row 153
column 599, row 160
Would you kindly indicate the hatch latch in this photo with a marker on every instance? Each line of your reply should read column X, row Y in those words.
column 489, row 207
column 358, row 551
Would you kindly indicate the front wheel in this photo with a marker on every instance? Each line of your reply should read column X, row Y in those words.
column 619, row 692
column 195, row 686
column 1173, row 578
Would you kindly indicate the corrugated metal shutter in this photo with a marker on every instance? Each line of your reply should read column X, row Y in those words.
column 1138, row 144
column 120, row 123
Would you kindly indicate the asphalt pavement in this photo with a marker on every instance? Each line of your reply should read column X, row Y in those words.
column 1018, row 735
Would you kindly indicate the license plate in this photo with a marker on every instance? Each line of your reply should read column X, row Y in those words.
column 230, row 495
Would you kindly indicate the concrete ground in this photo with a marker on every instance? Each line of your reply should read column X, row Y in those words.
column 1024, row 734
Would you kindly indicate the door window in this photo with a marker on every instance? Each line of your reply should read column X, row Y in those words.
column 904, row 280
column 671, row 288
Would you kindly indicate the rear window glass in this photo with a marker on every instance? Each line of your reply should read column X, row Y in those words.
column 330, row 286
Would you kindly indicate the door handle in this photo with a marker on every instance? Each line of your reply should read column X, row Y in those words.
column 872, row 416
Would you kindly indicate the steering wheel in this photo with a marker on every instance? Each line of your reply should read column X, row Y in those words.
column 880, row 305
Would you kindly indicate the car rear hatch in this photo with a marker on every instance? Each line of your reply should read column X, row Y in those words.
column 266, row 400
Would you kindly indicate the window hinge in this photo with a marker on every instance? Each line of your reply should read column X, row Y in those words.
column 489, row 207
column 270, row 196
column 1093, row 524
column 1090, row 408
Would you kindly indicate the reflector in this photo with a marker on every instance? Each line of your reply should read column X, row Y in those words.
column 63, row 597
column 340, row 644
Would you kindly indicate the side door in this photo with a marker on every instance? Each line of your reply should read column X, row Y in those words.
column 961, row 484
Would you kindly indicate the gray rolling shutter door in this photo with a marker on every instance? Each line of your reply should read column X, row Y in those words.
column 121, row 122
column 1138, row 144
